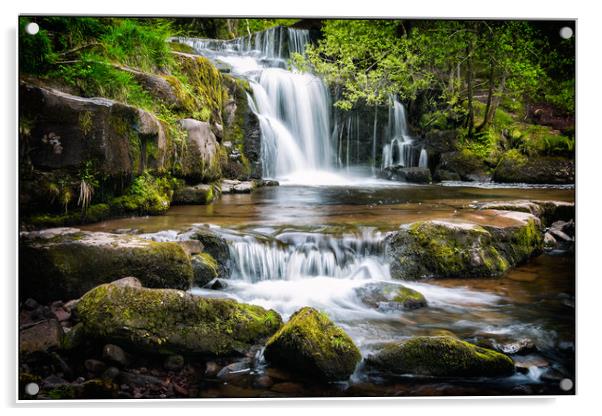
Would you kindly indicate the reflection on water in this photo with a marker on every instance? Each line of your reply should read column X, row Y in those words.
column 381, row 206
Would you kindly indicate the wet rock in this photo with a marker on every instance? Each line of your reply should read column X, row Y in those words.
column 200, row 161
column 217, row 247
column 95, row 366
column 174, row 362
column 229, row 186
column 267, row 182
column 390, row 297
column 64, row 263
column 412, row 175
column 40, row 337
column 30, row 304
column 191, row 247
column 442, row 249
column 442, row 357
column 309, row 343
column 466, row 165
column 173, row 321
column 115, row 354
column 238, row 373
column 525, row 363
column 529, row 207
column 211, row 369
column 560, row 235
column 60, row 312
column 216, row 284
column 567, row 227
column 549, row 241
column 442, row 175
column 110, row 373
column 69, row 130
column 134, row 379
column 264, row 382
column 515, row 168
column 201, row 194
column 205, row 269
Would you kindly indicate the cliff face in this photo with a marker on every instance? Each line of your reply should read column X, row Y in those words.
column 83, row 159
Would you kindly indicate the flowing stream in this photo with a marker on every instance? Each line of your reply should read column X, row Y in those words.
column 318, row 239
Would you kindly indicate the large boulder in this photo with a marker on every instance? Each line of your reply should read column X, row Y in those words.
column 440, row 249
column 67, row 131
column 309, row 343
column 441, row 357
column 543, row 170
column 413, row 175
column 171, row 321
column 64, row 263
column 200, row 161
column 200, row 194
column 465, row 164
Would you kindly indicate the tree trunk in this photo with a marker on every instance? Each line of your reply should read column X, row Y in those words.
column 496, row 100
column 486, row 115
column 469, row 81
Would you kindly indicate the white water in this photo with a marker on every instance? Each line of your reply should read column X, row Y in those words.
column 401, row 150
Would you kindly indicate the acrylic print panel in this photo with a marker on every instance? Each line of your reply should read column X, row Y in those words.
column 268, row 208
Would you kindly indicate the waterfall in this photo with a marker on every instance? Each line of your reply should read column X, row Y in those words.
column 297, row 255
column 293, row 108
column 401, row 150
column 423, row 162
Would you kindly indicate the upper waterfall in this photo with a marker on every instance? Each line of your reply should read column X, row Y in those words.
column 293, row 108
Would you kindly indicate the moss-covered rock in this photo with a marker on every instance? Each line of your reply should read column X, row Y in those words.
column 467, row 165
column 217, row 247
column 517, row 168
column 200, row 194
column 65, row 263
column 200, row 161
column 427, row 249
column 413, row 175
column 309, row 343
column 67, row 131
column 442, row 357
column 205, row 268
column 172, row 321
column 390, row 297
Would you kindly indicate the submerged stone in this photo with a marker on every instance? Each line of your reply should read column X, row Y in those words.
column 64, row 263
column 171, row 321
column 390, row 297
column 441, row 357
column 309, row 343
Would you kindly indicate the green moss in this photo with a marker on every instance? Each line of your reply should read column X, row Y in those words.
column 205, row 268
column 62, row 392
column 409, row 297
column 311, row 344
column 441, row 356
column 85, row 122
column 181, row 47
column 147, row 195
column 168, row 321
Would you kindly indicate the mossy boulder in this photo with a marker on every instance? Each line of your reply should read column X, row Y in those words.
column 388, row 297
column 442, row 356
column 467, row 165
column 517, row 168
column 171, row 321
column 310, row 344
column 67, row 131
column 205, row 269
column 64, row 263
column 441, row 249
column 200, row 161
column 200, row 194
column 217, row 247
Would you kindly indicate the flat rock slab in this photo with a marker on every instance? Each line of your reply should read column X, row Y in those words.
column 229, row 186
column 64, row 263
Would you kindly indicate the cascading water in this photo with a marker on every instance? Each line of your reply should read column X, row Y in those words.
column 401, row 151
column 293, row 108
